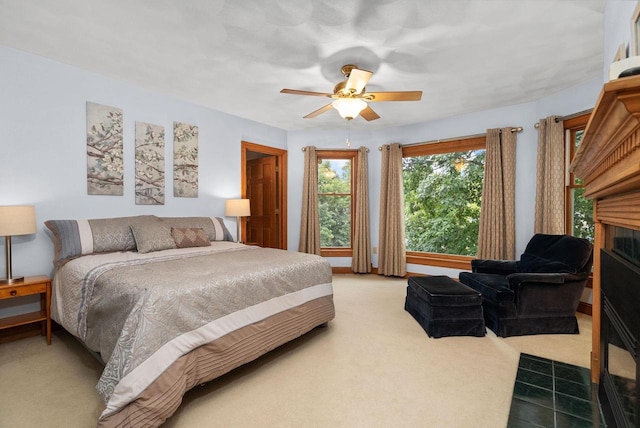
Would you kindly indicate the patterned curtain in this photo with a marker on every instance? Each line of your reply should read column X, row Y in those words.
column 392, row 259
column 309, row 221
column 497, row 235
column 550, row 182
column 361, row 257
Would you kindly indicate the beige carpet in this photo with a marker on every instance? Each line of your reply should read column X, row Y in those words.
column 373, row 366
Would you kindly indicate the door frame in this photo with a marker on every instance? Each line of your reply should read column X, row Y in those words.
column 281, row 186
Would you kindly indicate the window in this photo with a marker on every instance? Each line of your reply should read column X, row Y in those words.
column 336, row 193
column 442, row 193
column 579, row 210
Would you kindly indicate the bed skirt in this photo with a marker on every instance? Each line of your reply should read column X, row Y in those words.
column 205, row 363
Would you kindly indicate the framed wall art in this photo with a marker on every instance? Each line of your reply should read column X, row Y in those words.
column 105, row 166
column 185, row 160
column 149, row 164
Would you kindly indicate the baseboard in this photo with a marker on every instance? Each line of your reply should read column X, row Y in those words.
column 585, row 308
column 20, row 332
column 345, row 269
column 374, row 271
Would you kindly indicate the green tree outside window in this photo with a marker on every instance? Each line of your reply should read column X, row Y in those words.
column 582, row 224
column 334, row 203
column 442, row 195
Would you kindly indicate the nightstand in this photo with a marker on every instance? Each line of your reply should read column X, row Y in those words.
column 31, row 285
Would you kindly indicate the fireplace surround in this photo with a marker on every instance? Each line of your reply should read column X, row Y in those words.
column 608, row 162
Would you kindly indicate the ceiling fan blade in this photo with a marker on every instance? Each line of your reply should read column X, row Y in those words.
column 358, row 80
column 319, row 111
column 394, row 96
column 369, row 114
column 298, row 92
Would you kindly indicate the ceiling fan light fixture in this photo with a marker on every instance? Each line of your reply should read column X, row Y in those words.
column 351, row 98
column 349, row 107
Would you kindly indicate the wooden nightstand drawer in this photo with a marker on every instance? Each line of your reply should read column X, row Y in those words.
column 31, row 285
column 24, row 290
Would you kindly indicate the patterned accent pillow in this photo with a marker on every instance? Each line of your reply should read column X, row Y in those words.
column 190, row 237
column 151, row 234
column 213, row 226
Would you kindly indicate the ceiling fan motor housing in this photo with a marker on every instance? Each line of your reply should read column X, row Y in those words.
column 340, row 90
column 346, row 69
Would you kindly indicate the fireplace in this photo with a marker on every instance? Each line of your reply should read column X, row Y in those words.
column 607, row 162
column 620, row 329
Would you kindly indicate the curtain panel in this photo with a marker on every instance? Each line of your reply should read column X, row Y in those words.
column 309, row 221
column 392, row 258
column 361, row 247
column 496, row 237
column 550, row 181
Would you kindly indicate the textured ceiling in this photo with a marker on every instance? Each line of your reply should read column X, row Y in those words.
column 236, row 55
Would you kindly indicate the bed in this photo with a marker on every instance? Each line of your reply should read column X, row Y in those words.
column 170, row 303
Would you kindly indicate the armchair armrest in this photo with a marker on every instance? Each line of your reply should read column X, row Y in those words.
column 580, row 276
column 496, row 267
column 516, row 279
column 542, row 294
column 545, row 278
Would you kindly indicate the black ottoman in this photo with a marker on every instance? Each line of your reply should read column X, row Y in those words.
column 444, row 307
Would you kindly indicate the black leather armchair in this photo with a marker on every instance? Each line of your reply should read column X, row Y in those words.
column 538, row 294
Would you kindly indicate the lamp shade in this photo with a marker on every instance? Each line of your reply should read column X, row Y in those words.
column 17, row 220
column 237, row 207
column 349, row 107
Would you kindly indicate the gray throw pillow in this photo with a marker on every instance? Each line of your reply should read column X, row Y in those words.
column 151, row 234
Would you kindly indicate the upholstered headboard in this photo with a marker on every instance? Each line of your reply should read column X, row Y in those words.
column 145, row 233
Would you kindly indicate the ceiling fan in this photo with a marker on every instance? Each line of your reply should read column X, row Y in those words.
column 350, row 97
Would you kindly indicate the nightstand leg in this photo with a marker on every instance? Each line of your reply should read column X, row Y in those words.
column 48, row 309
column 43, row 306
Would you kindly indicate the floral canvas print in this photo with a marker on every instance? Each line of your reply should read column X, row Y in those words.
column 149, row 164
column 105, row 167
column 185, row 160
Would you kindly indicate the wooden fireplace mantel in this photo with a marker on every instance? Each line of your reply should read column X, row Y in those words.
column 608, row 162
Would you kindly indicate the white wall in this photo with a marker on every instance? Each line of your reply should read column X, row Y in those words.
column 43, row 150
column 617, row 29
column 570, row 101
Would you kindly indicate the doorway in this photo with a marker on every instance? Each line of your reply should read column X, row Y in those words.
column 264, row 183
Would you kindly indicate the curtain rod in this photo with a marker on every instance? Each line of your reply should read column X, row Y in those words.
column 466, row 137
column 304, row 149
column 567, row 117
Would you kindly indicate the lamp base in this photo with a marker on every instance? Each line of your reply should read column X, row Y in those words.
column 238, row 237
column 12, row 280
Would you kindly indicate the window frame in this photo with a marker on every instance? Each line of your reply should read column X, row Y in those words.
column 571, row 127
column 353, row 156
column 453, row 261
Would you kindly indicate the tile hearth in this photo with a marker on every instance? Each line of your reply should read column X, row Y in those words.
column 552, row 394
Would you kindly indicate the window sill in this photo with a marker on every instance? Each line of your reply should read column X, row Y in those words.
column 336, row 252
column 442, row 260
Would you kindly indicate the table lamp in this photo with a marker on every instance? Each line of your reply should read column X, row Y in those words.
column 238, row 208
column 15, row 220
